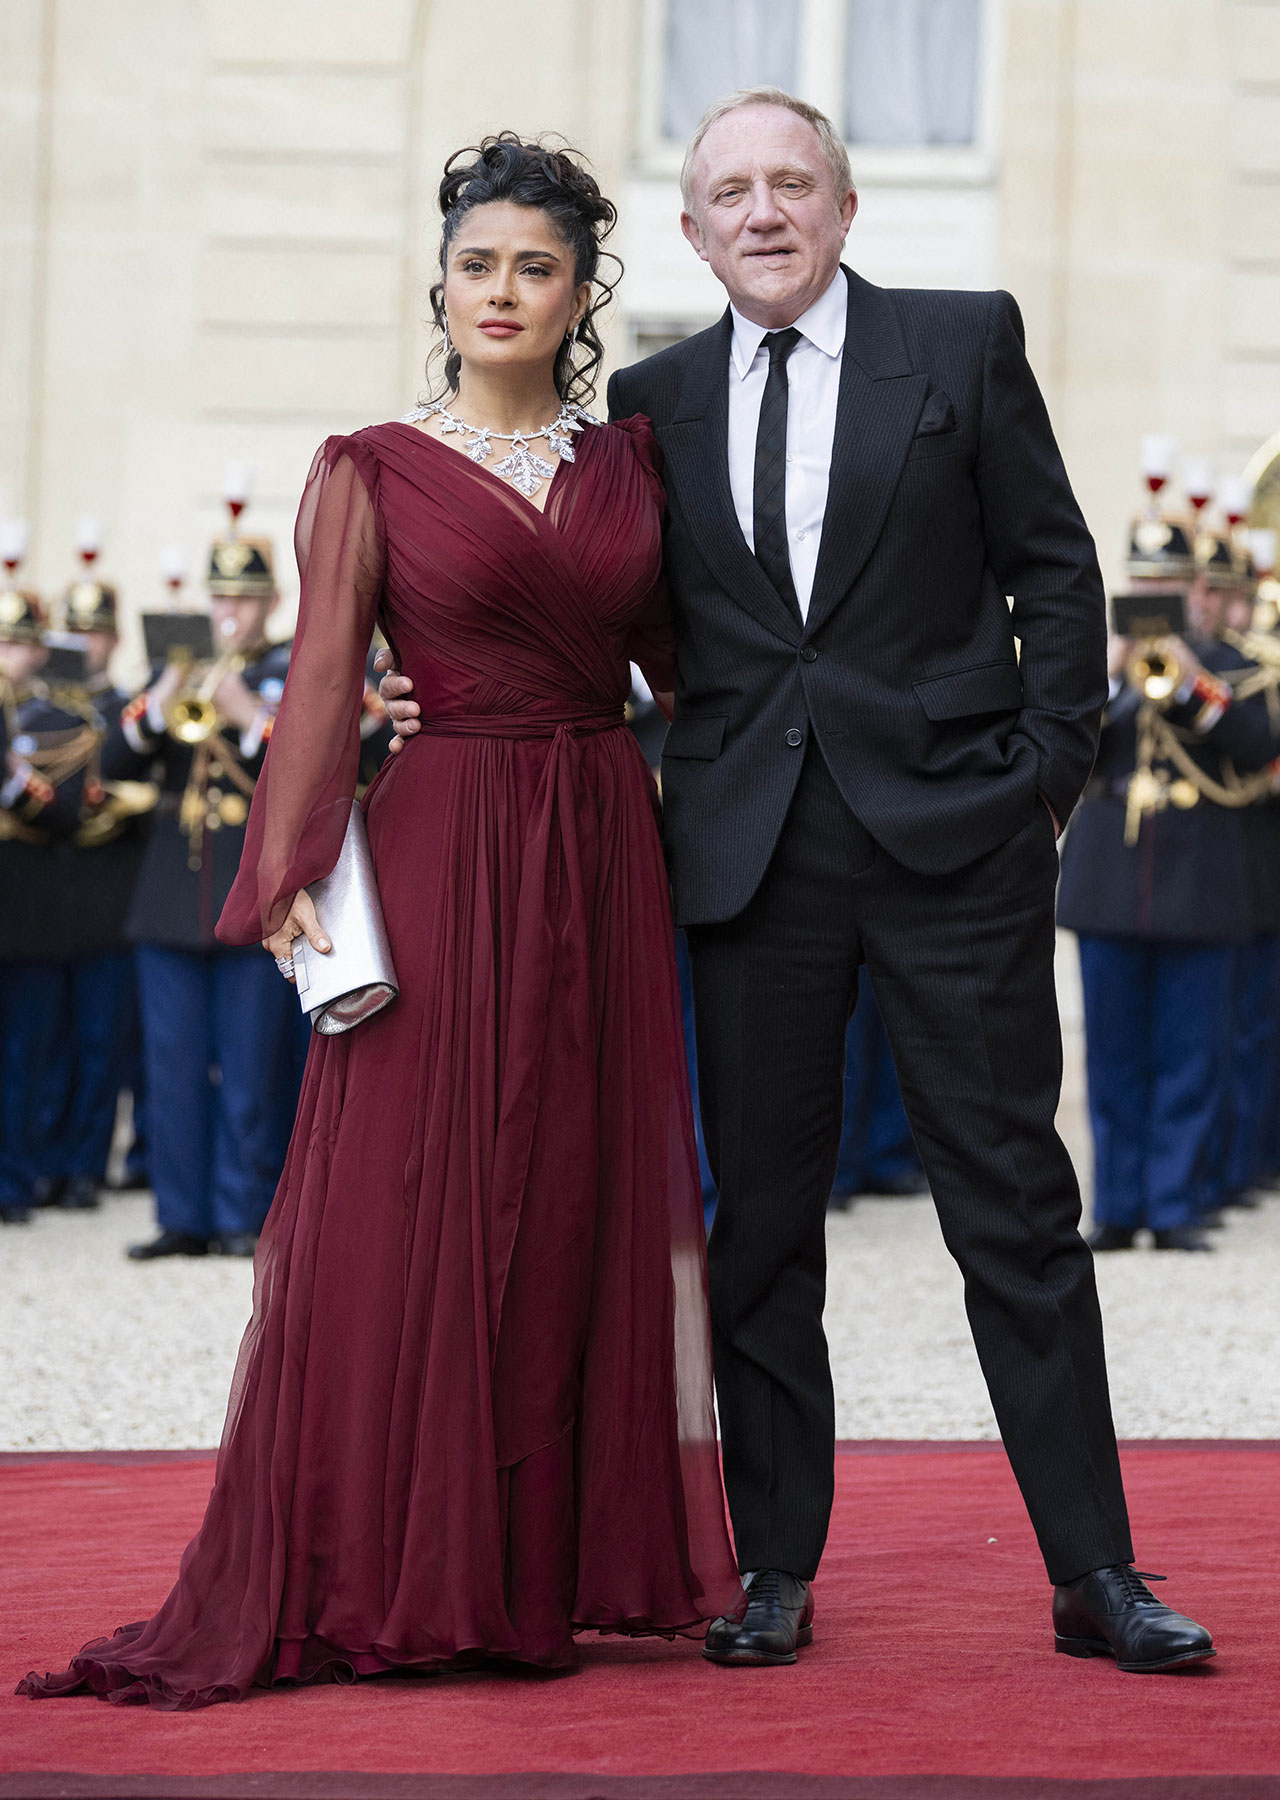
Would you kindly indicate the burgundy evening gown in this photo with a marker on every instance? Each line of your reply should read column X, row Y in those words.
column 472, row 1412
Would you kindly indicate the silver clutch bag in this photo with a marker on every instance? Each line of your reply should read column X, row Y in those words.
column 356, row 978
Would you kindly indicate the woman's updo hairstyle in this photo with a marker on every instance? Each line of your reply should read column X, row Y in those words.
column 553, row 181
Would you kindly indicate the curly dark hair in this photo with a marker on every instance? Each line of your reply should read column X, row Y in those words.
column 553, row 180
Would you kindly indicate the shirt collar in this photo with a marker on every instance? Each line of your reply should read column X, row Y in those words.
column 823, row 324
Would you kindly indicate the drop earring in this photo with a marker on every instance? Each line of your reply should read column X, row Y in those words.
column 448, row 341
column 572, row 339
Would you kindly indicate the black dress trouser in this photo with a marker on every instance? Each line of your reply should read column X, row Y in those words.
column 963, row 970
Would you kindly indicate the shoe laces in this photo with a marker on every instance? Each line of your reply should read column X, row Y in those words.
column 765, row 1587
column 1132, row 1583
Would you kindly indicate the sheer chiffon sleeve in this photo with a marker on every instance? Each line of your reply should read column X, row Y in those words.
column 303, row 798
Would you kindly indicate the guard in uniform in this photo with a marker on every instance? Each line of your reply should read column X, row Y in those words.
column 99, row 1040
column 1155, row 882
column 219, row 1028
column 49, row 750
column 1249, row 626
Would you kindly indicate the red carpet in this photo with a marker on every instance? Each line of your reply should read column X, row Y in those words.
column 931, row 1675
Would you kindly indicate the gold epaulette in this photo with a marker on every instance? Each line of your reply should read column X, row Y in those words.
column 13, row 831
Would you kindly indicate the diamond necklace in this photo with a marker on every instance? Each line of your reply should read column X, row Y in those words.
column 522, row 468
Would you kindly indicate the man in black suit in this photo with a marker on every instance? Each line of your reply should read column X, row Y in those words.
column 859, row 771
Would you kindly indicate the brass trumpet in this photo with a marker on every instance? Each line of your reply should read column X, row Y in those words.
column 1154, row 671
column 191, row 717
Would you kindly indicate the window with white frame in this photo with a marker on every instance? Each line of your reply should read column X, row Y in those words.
column 894, row 74
column 911, row 71
column 713, row 46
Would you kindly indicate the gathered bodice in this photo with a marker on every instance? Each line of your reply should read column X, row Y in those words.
column 494, row 607
column 496, row 611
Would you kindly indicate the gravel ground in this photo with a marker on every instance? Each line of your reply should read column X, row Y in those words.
column 98, row 1352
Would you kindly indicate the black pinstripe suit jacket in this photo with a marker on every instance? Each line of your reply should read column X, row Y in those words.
column 947, row 493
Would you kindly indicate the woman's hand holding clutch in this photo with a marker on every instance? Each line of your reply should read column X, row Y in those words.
column 300, row 921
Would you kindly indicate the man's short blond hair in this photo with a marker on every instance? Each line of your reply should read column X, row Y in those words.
column 834, row 153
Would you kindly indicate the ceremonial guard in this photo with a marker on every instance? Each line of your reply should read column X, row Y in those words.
column 219, row 1028
column 49, row 751
column 1156, row 883
column 1249, row 625
column 99, row 1041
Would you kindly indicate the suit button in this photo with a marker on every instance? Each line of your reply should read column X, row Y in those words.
column 795, row 738
column 808, row 654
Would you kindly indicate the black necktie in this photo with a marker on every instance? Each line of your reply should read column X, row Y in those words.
column 770, row 497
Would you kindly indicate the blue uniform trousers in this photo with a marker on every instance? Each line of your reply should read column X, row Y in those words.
column 220, row 1036
column 30, row 1097
column 1256, row 1037
column 685, row 974
column 876, row 1145
column 1157, row 1042
column 1269, row 1128
column 96, row 1056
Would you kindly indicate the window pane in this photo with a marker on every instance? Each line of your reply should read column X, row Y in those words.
column 911, row 71
column 714, row 46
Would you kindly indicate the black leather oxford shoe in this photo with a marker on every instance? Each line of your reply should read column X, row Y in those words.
column 80, row 1194
column 1113, row 1612
column 1180, row 1237
column 236, row 1243
column 778, row 1621
column 1110, row 1237
column 169, row 1243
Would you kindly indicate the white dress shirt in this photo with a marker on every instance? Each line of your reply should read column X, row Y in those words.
column 813, row 389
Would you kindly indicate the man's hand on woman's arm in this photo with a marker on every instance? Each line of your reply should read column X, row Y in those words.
column 395, row 690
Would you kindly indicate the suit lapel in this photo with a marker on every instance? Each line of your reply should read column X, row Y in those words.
column 879, row 404
column 695, row 445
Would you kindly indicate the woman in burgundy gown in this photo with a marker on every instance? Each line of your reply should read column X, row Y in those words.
column 472, row 1412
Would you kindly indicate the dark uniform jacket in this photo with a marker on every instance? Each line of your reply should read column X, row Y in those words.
column 174, row 904
column 947, row 493
column 1191, row 876
column 101, row 876
column 36, row 922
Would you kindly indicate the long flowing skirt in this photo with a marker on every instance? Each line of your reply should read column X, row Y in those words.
column 472, row 1411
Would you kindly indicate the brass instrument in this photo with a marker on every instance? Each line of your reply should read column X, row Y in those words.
column 1165, row 773
column 1154, row 671
column 121, row 801
column 191, row 717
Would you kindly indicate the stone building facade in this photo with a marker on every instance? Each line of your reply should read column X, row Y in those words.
column 217, row 219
